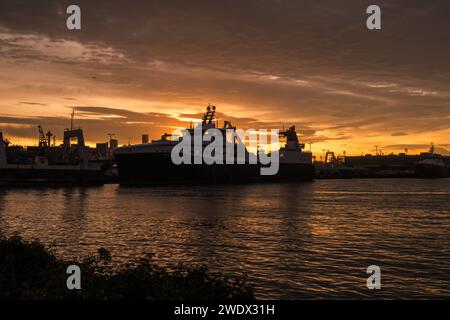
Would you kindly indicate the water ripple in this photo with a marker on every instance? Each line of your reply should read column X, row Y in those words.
column 310, row 240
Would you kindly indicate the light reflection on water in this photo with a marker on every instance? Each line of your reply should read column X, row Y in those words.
column 309, row 240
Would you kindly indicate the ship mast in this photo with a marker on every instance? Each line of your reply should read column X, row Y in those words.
column 72, row 116
column 208, row 117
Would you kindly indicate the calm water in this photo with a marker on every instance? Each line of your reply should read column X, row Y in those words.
column 309, row 240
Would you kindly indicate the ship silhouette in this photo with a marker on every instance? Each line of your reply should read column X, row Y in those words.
column 151, row 163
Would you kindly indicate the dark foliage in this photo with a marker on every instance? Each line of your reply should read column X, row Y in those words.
column 29, row 270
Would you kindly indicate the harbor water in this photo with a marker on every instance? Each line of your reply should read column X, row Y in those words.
column 293, row 241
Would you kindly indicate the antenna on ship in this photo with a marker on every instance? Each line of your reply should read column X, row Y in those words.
column 72, row 116
column 209, row 115
column 49, row 136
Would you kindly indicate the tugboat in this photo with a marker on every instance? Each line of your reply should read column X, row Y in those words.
column 40, row 171
column 151, row 163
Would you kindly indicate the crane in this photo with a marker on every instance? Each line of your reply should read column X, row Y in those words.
column 42, row 138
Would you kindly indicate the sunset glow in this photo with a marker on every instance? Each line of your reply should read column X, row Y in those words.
column 344, row 90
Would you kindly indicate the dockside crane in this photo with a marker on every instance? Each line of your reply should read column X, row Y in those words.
column 42, row 138
column 45, row 140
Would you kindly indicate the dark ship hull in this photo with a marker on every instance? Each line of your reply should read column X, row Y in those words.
column 432, row 172
column 157, row 168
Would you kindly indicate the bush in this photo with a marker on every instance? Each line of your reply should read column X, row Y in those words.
column 30, row 270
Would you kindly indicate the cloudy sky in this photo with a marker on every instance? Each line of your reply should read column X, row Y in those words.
column 150, row 66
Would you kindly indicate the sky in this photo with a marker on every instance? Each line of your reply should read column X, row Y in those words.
column 150, row 67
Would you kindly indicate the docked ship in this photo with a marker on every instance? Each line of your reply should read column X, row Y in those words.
column 151, row 163
column 49, row 165
column 423, row 165
column 432, row 165
column 432, row 168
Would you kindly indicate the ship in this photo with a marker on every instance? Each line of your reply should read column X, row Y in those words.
column 432, row 165
column 423, row 165
column 42, row 165
column 432, row 168
column 151, row 163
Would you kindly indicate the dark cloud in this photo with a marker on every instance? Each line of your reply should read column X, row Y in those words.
column 296, row 35
column 95, row 129
column 97, row 121
column 33, row 103
column 398, row 134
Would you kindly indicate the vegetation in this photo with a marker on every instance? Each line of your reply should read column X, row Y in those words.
column 30, row 270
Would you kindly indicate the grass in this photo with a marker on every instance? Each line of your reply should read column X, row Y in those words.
column 30, row 270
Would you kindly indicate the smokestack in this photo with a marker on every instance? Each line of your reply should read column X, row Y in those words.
column 145, row 138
